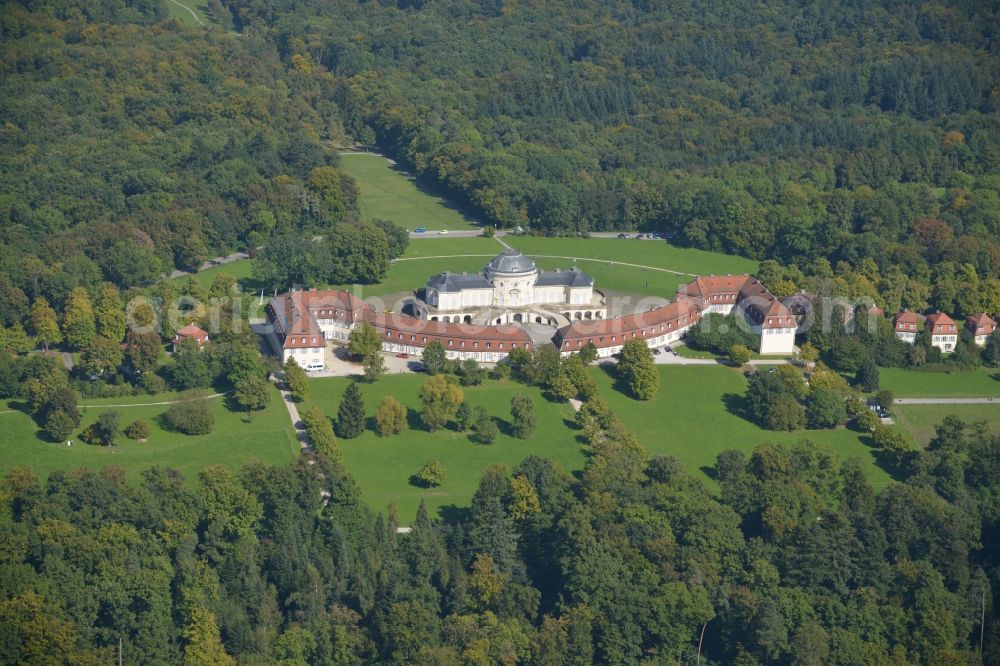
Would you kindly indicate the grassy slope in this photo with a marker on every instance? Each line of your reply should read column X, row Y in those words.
column 921, row 420
column 982, row 382
column 184, row 16
column 388, row 194
column 383, row 466
column 690, row 419
column 233, row 442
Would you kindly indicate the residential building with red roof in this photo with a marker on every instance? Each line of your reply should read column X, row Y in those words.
column 906, row 325
column 190, row 332
column 981, row 326
column 944, row 331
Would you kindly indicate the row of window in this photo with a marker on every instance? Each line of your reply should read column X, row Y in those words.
column 451, row 343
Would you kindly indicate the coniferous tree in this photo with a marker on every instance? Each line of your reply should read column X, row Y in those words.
column 351, row 413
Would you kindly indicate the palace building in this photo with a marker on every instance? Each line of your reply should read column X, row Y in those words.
column 481, row 316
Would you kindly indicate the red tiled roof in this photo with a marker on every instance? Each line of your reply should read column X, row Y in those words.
column 191, row 331
column 906, row 322
column 941, row 323
column 980, row 324
column 403, row 329
column 664, row 319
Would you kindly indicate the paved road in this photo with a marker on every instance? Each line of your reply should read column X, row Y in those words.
column 948, row 401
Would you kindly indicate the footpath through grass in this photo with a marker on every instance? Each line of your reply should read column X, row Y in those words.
column 383, row 466
column 388, row 193
column 234, row 441
column 692, row 418
column 978, row 383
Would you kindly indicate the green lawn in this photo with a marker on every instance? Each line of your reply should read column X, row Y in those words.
column 437, row 246
column 240, row 269
column 383, row 466
column 234, row 441
column 921, row 420
column 646, row 253
column 690, row 419
column 387, row 193
column 184, row 15
column 981, row 382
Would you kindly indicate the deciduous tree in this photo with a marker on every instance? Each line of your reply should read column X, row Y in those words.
column 440, row 398
column 390, row 417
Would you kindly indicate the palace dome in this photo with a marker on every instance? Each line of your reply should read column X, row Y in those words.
column 511, row 261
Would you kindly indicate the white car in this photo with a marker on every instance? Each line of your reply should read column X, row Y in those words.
column 443, row 232
column 315, row 367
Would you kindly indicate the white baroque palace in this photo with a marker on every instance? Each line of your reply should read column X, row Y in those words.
column 511, row 289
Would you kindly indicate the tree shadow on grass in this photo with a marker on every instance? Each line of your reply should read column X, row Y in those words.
column 413, row 420
column 887, row 461
column 710, row 472
column 618, row 384
column 737, row 405
column 454, row 514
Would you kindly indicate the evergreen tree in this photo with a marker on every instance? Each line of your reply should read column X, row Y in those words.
column 867, row 377
column 522, row 416
column 79, row 327
column 351, row 413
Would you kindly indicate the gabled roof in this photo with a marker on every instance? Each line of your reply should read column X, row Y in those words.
column 938, row 320
column 192, row 331
column 906, row 317
column 981, row 321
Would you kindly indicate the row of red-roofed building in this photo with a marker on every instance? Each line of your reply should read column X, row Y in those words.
column 944, row 330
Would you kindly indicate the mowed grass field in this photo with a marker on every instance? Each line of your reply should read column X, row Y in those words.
column 921, row 420
column 234, row 441
column 981, row 382
column 389, row 194
column 185, row 11
column 692, row 418
column 383, row 466
column 656, row 253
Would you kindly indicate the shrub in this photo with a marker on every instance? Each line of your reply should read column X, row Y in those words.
column 431, row 474
column 191, row 416
column 138, row 430
column 104, row 430
column 739, row 355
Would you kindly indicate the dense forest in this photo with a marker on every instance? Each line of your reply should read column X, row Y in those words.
column 852, row 146
column 811, row 133
column 798, row 562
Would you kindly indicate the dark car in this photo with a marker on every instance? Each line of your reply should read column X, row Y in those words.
column 622, row 236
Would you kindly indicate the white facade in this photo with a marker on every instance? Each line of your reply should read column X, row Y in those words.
column 907, row 336
column 946, row 343
column 777, row 340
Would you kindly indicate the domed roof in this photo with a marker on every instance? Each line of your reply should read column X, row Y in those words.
column 511, row 261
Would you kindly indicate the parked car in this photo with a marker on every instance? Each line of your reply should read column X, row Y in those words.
column 315, row 367
column 402, row 355
column 443, row 232
column 622, row 236
column 656, row 352
column 420, row 230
